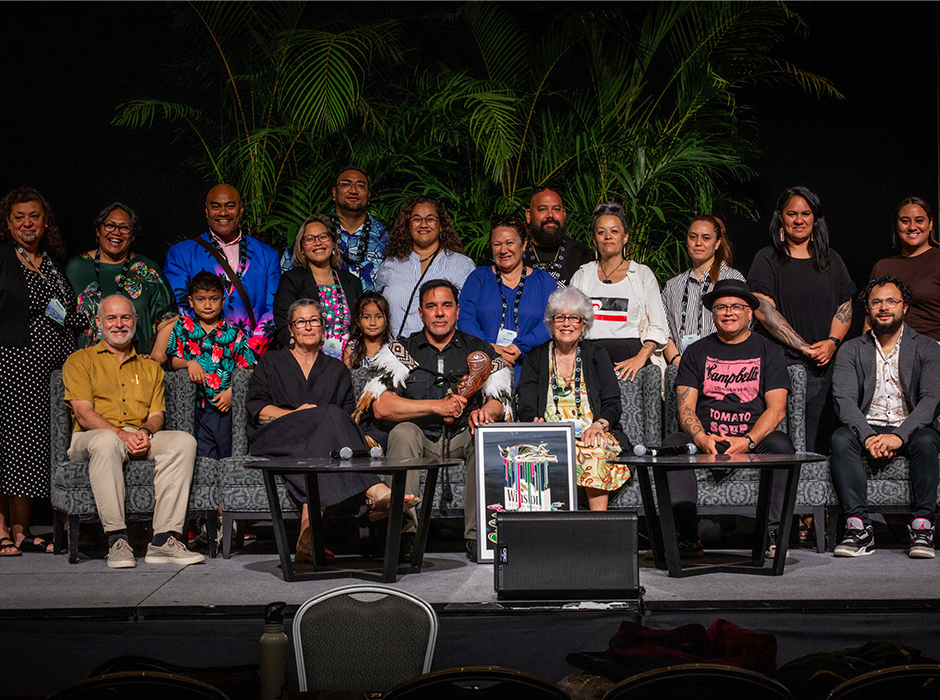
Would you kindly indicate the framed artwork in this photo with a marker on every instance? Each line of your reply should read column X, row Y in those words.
column 522, row 466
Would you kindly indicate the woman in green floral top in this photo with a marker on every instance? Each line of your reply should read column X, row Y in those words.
column 112, row 268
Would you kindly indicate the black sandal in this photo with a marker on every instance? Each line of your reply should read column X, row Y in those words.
column 29, row 544
column 7, row 543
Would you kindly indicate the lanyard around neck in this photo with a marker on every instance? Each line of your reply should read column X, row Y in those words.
column 124, row 270
column 502, row 294
column 685, row 302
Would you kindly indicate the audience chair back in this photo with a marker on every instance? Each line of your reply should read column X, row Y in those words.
column 699, row 681
column 913, row 682
column 363, row 637
column 139, row 685
column 477, row 683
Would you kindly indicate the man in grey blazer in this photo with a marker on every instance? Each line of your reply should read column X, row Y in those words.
column 886, row 386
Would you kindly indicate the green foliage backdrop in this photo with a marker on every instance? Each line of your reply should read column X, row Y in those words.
column 476, row 103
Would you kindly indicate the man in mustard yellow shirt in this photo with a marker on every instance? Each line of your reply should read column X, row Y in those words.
column 117, row 403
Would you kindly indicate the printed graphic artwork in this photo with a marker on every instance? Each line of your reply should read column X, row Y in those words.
column 522, row 467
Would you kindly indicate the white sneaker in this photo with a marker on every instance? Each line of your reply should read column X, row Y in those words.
column 172, row 552
column 121, row 555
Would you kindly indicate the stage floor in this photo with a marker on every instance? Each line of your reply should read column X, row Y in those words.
column 36, row 582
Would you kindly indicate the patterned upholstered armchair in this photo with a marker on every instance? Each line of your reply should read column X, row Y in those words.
column 71, row 494
column 641, row 419
column 737, row 492
column 243, row 495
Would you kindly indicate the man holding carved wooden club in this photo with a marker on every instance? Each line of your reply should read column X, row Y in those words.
column 440, row 390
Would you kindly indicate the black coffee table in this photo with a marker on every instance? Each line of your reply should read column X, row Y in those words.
column 662, row 525
column 397, row 469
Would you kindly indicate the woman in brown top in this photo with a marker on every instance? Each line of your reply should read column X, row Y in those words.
column 918, row 264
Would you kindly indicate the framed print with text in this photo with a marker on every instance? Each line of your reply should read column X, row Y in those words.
column 522, row 466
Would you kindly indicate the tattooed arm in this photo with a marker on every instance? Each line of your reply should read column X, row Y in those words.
column 689, row 422
column 774, row 322
column 825, row 350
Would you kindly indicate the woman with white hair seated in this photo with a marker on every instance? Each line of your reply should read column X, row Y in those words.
column 571, row 379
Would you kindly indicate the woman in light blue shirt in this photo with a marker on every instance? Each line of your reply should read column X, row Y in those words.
column 423, row 246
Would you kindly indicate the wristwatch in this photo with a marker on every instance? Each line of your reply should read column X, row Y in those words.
column 149, row 434
column 751, row 445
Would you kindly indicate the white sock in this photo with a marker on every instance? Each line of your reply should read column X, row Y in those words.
column 854, row 523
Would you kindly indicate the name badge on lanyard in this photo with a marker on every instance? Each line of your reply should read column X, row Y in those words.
column 687, row 340
column 505, row 337
column 333, row 347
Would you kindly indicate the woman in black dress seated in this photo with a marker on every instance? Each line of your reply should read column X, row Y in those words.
column 570, row 379
column 299, row 401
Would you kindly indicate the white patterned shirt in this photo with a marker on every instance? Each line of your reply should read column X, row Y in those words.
column 888, row 407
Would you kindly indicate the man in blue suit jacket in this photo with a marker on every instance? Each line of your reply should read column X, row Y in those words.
column 253, row 262
column 886, row 386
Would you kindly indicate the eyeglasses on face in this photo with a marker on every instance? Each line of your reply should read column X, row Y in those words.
column 429, row 220
column 350, row 184
column 111, row 227
column 559, row 319
column 888, row 303
column 311, row 238
column 734, row 308
column 305, row 322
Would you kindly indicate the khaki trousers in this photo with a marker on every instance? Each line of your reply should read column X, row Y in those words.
column 175, row 455
column 406, row 440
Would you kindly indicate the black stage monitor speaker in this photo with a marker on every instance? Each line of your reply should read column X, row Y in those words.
column 566, row 555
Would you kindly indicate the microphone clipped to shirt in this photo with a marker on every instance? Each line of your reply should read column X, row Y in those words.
column 350, row 453
column 642, row 450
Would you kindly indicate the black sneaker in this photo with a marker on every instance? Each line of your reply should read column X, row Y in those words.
column 856, row 543
column 691, row 550
column 922, row 543
column 471, row 549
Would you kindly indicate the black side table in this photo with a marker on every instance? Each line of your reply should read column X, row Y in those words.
column 310, row 468
column 662, row 525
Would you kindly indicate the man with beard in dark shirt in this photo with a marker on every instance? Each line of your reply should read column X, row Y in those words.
column 552, row 250
column 732, row 391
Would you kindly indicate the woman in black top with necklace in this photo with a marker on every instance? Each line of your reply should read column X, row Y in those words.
column 570, row 379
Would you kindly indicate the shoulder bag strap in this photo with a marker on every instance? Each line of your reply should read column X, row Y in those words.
column 413, row 291
column 236, row 280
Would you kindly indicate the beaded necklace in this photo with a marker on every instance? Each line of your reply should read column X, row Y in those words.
column 577, row 382
column 363, row 248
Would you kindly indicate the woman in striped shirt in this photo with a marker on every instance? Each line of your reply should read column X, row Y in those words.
column 710, row 255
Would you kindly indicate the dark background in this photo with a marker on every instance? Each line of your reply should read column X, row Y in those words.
column 68, row 65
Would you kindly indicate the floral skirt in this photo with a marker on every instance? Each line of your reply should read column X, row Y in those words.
column 596, row 473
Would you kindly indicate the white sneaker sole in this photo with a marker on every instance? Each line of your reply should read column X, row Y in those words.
column 860, row 552
column 175, row 560
column 922, row 553
column 126, row 564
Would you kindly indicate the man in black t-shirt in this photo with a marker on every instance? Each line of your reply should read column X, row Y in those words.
column 732, row 392
column 434, row 361
column 552, row 250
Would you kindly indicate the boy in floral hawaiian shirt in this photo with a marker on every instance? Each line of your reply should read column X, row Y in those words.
column 210, row 349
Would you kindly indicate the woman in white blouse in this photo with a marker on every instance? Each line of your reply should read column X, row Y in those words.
column 709, row 249
column 629, row 320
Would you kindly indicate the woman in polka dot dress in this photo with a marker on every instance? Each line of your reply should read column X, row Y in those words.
column 38, row 322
